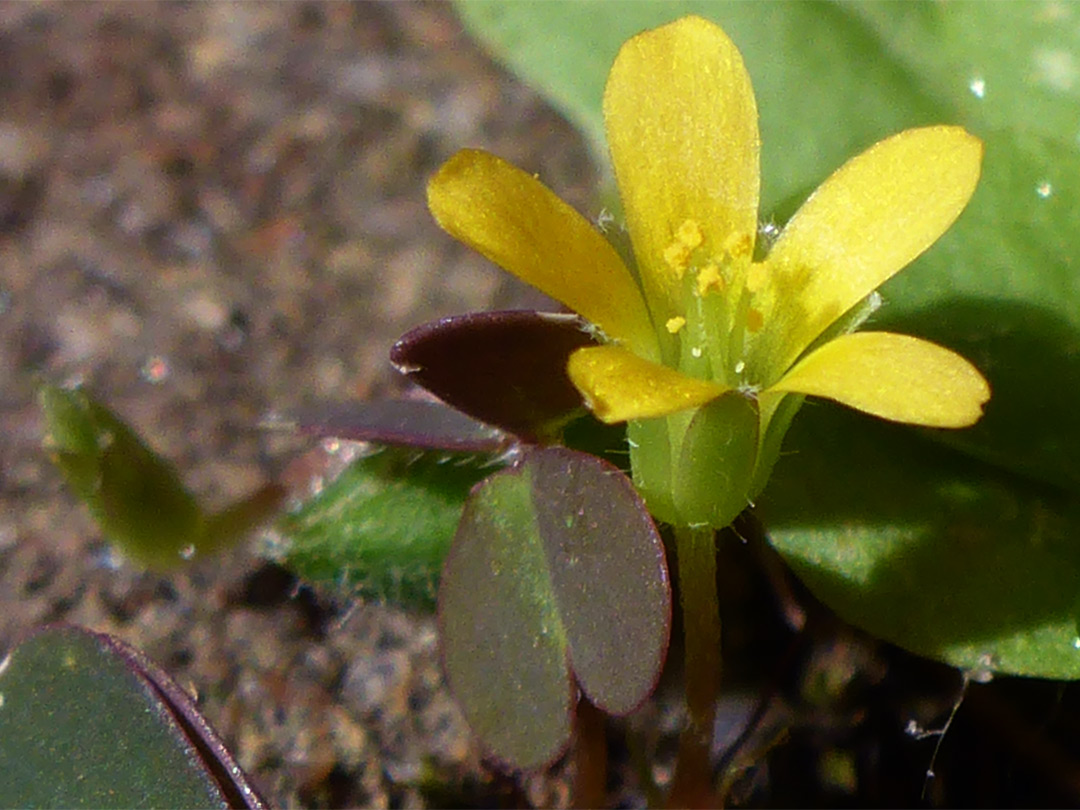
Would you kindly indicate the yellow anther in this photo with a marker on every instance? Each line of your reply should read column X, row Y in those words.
column 677, row 256
column 754, row 320
column 675, row 324
column 709, row 278
column 755, row 277
column 689, row 234
column 738, row 244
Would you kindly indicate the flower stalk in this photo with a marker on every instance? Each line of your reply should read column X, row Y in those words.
column 696, row 551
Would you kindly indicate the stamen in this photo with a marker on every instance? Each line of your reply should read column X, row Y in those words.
column 754, row 319
column 688, row 238
column 675, row 324
column 677, row 256
column 689, row 234
column 709, row 279
column 738, row 244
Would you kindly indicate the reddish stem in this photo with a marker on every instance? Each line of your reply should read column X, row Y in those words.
column 590, row 757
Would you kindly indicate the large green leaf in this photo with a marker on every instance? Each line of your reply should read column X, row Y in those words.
column 919, row 545
column 991, row 59
column 1004, row 286
column 87, row 722
column 557, row 574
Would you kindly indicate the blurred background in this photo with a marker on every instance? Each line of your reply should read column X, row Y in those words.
column 209, row 213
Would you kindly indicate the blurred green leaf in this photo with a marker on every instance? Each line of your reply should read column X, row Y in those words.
column 381, row 529
column 990, row 60
column 80, row 728
column 136, row 497
column 556, row 573
column 916, row 543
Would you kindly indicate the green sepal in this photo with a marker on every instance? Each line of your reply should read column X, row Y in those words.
column 711, row 483
column 650, row 459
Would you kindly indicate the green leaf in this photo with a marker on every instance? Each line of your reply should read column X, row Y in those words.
column 381, row 530
column 135, row 495
column 1031, row 424
column 83, row 725
column 557, row 573
column 921, row 546
column 1004, row 290
column 990, row 60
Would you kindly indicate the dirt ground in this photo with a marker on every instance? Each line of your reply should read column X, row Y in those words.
column 210, row 213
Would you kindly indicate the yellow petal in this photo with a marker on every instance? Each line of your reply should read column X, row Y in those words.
column 682, row 128
column 865, row 223
column 618, row 385
column 517, row 222
column 896, row 377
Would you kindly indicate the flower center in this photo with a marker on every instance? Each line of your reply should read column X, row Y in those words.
column 718, row 317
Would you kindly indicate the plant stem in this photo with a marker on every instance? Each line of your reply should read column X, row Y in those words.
column 695, row 551
column 590, row 757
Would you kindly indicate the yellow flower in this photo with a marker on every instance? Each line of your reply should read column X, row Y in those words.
column 691, row 317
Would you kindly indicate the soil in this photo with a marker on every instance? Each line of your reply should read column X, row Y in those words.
column 210, row 213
